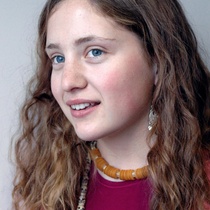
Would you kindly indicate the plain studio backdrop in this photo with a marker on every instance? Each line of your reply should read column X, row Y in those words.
column 18, row 32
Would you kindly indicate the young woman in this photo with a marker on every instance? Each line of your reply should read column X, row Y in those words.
column 121, row 83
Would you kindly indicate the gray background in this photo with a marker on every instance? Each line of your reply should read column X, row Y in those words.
column 18, row 21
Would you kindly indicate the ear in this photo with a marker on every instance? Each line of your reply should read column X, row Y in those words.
column 155, row 71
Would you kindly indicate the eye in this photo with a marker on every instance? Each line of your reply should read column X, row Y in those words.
column 94, row 53
column 58, row 59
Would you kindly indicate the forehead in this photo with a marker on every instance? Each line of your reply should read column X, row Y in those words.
column 79, row 18
column 77, row 8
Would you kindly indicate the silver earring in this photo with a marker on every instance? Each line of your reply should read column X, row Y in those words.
column 152, row 118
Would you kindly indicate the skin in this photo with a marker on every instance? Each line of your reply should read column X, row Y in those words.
column 96, row 62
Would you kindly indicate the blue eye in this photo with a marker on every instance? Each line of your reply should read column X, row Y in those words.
column 58, row 59
column 95, row 53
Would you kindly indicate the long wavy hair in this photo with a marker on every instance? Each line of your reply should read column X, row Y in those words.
column 51, row 159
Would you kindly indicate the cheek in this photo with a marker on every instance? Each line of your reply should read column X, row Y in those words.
column 112, row 84
column 117, row 89
column 54, row 87
column 130, row 86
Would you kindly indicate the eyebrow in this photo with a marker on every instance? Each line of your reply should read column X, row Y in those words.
column 91, row 38
column 80, row 41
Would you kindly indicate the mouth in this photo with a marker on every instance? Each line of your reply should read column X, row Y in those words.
column 83, row 106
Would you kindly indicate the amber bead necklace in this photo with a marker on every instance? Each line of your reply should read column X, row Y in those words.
column 116, row 173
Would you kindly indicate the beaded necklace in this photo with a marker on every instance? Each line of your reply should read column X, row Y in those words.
column 82, row 197
column 116, row 173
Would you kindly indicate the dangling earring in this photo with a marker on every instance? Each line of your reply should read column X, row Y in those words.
column 152, row 118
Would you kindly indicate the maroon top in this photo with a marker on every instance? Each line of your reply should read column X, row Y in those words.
column 106, row 195
column 128, row 195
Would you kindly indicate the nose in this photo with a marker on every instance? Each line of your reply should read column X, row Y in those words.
column 73, row 76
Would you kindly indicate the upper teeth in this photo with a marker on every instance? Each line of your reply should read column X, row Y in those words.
column 80, row 106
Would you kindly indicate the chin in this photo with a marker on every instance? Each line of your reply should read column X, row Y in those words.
column 86, row 137
column 90, row 136
column 94, row 134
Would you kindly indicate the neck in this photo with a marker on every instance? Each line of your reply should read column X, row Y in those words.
column 126, row 152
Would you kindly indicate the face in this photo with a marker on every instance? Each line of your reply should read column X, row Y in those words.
column 100, row 76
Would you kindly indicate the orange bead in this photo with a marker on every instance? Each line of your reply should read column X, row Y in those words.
column 116, row 173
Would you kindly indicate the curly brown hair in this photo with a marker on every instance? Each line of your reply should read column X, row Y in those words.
column 50, row 157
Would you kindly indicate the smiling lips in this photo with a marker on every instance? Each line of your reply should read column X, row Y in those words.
column 82, row 106
column 82, row 109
